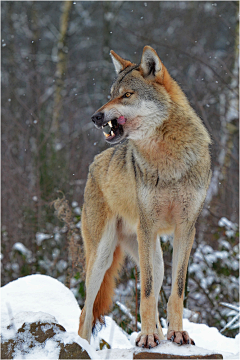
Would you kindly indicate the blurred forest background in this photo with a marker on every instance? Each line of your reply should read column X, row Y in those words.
column 56, row 71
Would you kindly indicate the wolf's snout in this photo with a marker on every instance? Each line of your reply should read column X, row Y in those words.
column 98, row 118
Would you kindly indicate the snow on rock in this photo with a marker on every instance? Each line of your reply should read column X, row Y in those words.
column 208, row 341
column 117, row 354
column 210, row 338
column 167, row 347
column 20, row 318
column 40, row 293
column 38, row 352
column 40, row 298
column 174, row 349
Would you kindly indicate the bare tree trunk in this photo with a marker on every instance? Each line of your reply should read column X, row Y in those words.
column 106, row 39
column 228, row 101
column 61, row 66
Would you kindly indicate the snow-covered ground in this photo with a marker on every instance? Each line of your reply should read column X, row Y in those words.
column 42, row 298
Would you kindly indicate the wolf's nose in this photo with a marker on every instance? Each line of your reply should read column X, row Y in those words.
column 97, row 118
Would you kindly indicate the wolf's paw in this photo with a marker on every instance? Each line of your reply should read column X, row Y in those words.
column 179, row 337
column 148, row 341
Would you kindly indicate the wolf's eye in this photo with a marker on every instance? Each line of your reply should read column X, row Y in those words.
column 127, row 95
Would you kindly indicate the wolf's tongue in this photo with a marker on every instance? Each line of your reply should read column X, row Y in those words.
column 121, row 120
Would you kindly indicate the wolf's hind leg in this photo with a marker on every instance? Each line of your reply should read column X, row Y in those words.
column 102, row 266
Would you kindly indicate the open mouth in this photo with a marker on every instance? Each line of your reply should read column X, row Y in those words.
column 112, row 130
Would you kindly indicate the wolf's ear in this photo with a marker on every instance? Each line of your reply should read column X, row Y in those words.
column 119, row 63
column 150, row 62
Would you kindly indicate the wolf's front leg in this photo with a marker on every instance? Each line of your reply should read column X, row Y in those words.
column 182, row 245
column 150, row 334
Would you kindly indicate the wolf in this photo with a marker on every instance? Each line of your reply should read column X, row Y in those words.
column 153, row 182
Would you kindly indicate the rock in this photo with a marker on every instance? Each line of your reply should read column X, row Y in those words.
column 31, row 335
column 41, row 331
column 72, row 351
column 155, row 355
column 7, row 349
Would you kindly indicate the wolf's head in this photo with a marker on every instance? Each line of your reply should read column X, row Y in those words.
column 139, row 101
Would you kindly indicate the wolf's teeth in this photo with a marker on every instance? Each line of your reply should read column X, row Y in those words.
column 106, row 135
column 112, row 133
column 110, row 124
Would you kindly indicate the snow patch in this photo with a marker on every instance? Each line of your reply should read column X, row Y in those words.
column 21, row 248
column 42, row 293
column 227, row 223
column 112, row 334
column 42, row 298
column 40, row 237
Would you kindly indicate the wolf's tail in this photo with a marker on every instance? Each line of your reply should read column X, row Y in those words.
column 105, row 294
